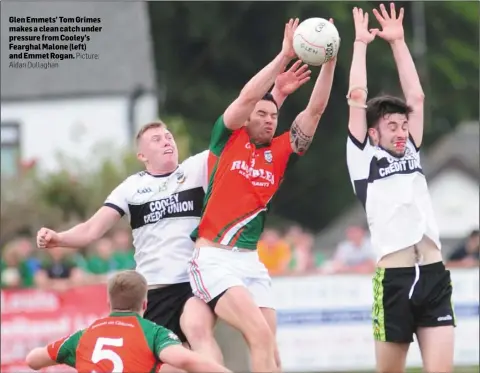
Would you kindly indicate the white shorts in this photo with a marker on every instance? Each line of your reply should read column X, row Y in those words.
column 213, row 270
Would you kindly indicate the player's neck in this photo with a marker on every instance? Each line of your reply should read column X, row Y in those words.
column 123, row 311
column 258, row 143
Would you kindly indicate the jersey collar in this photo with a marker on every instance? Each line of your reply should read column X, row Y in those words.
column 163, row 175
column 118, row 313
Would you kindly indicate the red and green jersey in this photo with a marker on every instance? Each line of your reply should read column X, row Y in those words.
column 121, row 342
column 243, row 180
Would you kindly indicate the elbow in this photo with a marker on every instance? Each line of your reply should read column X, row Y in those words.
column 186, row 363
column 358, row 96
column 313, row 115
column 32, row 361
column 416, row 98
column 248, row 98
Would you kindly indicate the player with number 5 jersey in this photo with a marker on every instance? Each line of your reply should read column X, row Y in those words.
column 123, row 341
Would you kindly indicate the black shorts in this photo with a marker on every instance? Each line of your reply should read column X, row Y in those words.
column 165, row 306
column 396, row 316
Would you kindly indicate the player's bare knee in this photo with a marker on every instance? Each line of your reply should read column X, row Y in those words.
column 197, row 322
column 197, row 331
column 260, row 335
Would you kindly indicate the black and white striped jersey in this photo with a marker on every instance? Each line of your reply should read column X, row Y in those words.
column 394, row 193
column 163, row 211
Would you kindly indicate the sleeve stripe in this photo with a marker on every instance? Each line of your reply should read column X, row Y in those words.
column 115, row 207
column 417, row 148
column 357, row 143
column 53, row 352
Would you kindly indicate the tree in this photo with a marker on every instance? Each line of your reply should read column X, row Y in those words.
column 221, row 45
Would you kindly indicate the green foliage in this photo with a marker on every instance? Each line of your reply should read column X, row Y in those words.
column 61, row 198
column 220, row 45
column 76, row 190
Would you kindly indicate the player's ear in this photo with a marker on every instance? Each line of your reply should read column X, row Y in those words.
column 373, row 134
column 144, row 305
column 141, row 157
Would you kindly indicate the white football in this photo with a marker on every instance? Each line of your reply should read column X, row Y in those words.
column 316, row 41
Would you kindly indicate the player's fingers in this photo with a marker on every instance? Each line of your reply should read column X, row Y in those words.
column 365, row 20
column 295, row 66
column 378, row 16
column 384, row 12
column 306, row 74
column 301, row 70
column 304, row 80
column 295, row 23
column 393, row 12
column 355, row 14
column 375, row 32
column 331, row 20
column 400, row 16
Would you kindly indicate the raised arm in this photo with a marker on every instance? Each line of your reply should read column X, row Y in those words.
column 289, row 81
column 240, row 109
column 392, row 31
column 305, row 124
column 357, row 91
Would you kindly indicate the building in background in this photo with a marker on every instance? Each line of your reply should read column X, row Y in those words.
column 452, row 169
column 81, row 103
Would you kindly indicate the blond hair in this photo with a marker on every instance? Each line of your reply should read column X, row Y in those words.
column 148, row 126
column 127, row 290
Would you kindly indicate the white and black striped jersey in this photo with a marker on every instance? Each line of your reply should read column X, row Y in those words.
column 163, row 211
column 394, row 193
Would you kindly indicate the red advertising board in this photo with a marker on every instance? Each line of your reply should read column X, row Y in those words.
column 33, row 318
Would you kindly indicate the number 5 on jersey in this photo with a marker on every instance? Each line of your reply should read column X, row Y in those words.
column 99, row 353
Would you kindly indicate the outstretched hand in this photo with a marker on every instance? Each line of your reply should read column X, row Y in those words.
column 392, row 27
column 362, row 33
column 287, row 46
column 292, row 79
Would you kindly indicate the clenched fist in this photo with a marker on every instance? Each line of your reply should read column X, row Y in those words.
column 47, row 238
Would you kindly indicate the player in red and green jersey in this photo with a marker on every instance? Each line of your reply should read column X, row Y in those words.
column 123, row 341
column 225, row 270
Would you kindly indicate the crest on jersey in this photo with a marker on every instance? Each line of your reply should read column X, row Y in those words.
column 268, row 156
column 172, row 336
column 163, row 187
column 180, row 177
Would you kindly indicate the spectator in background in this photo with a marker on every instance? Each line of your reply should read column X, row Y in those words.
column 274, row 252
column 10, row 275
column 304, row 258
column 100, row 262
column 123, row 250
column 59, row 270
column 21, row 251
column 355, row 254
column 468, row 254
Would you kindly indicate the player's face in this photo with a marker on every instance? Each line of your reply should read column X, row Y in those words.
column 157, row 147
column 262, row 123
column 391, row 133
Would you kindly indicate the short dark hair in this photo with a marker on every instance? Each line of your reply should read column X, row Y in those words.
column 474, row 233
column 269, row 97
column 380, row 106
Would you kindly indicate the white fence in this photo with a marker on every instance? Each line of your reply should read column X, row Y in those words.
column 324, row 322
